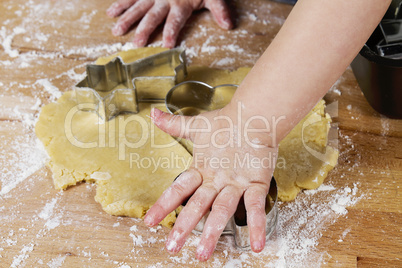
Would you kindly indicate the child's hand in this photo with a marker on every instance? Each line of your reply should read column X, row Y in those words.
column 226, row 166
column 154, row 12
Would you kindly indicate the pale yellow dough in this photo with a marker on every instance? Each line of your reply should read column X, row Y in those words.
column 83, row 148
column 306, row 155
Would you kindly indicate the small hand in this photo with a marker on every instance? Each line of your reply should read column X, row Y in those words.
column 154, row 12
column 225, row 167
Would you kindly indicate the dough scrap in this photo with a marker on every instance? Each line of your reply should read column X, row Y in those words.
column 305, row 154
column 126, row 190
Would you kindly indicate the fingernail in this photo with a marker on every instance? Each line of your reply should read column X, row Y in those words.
column 155, row 113
column 139, row 42
column 168, row 44
column 113, row 7
column 111, row 11
column 171, row 246
column 257, row 246
column 202, row 253
column 226, row 24
column 117, row 30
column 148, row 220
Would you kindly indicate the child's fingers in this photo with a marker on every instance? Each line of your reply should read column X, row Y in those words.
column 118, row 7
column 254, row 200
column 222, row 210
column 175, row 21
column 220, row 12
column 175, row 125
column 173, row 197
column 132, row 15
column 148, row 24
column 193, row 211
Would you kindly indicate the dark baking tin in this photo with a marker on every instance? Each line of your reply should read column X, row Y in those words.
column 380, row 76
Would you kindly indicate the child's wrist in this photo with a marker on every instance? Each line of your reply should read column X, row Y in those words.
column 255, row 128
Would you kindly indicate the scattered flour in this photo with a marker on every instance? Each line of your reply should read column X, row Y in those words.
column 295, row 239
column 47, row 213
column 344, row 234
column 24, row 254
column 54, row 92
column 26, row 158
column 300, row 226
column 134, row 228
column 57, row 261
column 323, row 187
column 7, row 39
column 137, row 240
column 384, row 125
column 335, row 89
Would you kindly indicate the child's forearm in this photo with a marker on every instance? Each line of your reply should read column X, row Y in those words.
column 316, row 44
column 314, row 47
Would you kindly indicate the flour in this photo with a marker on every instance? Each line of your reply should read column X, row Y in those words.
column 224, row 45
column 335, row 86
column 53, row 220
column 344, row 234
column 87, row 18
column 323, row 187
column 155, row 229
column 301, row 224
column 54, row 92
column 24, row 254
column 134, row 228
column 47, row 211
column 7, row 39
column 57, row 262
column 137, row 240
column 384, row 125
column 27, row 157
column 223, row 62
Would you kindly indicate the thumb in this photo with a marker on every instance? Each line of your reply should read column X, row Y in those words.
column 220, row 12
column 175, row 125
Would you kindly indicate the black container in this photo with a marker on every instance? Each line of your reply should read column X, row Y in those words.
column 380, row 76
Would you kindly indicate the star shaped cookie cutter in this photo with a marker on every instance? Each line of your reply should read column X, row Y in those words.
column 237, row 225
column 119, row 87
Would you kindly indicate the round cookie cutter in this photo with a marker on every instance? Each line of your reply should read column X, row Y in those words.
column 237, row 225
column 194, row 97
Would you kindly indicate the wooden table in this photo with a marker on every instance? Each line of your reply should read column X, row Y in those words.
column 45, row 46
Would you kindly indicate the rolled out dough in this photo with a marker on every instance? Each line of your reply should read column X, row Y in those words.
column 83, row 148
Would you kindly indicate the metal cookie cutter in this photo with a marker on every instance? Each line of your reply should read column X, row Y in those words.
column 194, row 97
column 118, row 87
column 237, row 225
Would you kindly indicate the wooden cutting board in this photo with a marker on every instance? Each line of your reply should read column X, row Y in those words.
column 45, row 46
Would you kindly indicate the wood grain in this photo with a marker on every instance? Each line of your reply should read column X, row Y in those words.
column 70, row 34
